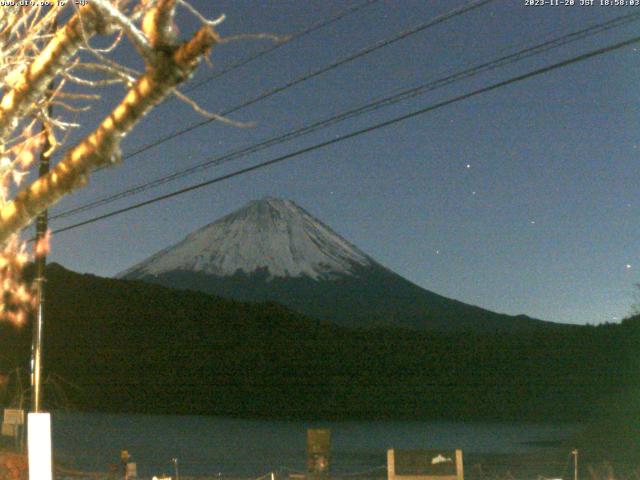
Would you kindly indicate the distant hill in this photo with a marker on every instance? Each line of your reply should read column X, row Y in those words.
column 274, row 250
column 135, row 346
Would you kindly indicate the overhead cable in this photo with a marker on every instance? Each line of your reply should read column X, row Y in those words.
column 402, row 95
column 393, row 121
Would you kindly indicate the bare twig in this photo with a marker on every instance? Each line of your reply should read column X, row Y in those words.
column 193, row 104
column 102, row 146
column 33, row 81
column 136, row 36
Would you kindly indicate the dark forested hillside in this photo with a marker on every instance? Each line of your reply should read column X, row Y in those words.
column 133, row 346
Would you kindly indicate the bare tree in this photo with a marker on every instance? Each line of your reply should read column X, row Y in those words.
column 43, row 64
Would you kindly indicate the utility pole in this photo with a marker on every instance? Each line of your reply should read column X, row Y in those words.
column 39, row 424
column 575, row 464
column 41, row 263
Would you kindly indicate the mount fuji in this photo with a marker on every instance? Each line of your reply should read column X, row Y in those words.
column 274, row 250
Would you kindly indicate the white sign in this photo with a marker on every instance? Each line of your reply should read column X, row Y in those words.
column 39, row 443
column 13, row 416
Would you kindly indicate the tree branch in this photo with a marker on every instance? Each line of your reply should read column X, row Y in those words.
column 102, row 146
column 137, row 38
column 30, row 86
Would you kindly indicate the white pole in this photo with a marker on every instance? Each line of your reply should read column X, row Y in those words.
column 39, row 444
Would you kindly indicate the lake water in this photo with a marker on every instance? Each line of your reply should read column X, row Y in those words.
column 235, row 447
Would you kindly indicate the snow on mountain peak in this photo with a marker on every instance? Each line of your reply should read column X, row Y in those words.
column 272, row 234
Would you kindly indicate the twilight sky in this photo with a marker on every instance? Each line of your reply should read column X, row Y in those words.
column 521, row 200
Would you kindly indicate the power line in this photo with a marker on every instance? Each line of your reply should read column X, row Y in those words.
column 356, row 133
column 369, row 107
column 296, row 36
column 384, row 43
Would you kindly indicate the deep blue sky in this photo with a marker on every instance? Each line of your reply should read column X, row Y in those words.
column 522, row 200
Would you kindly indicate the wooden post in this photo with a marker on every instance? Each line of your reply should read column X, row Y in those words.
column 391, row 464
column 459, row 465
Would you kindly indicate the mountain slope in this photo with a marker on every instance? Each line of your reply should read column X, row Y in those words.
column 274, row 250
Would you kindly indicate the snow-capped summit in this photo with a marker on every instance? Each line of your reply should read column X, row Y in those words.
column 274, row 250
column 271, row 234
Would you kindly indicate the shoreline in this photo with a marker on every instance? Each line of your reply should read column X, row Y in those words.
column 551, row 463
